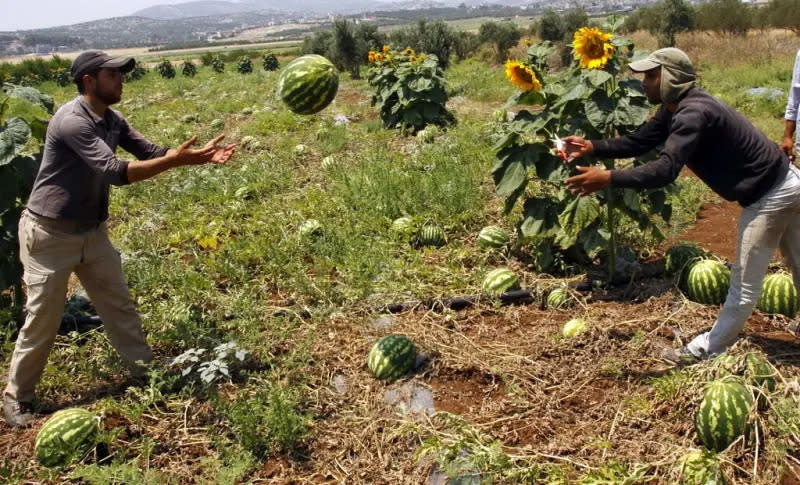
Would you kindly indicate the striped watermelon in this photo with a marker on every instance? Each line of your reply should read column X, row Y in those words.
column 499, row 281
column 708, row 282
column 308, row 84
column 68, row 435
column 722, row 416
column 492, row 237
column 680, row 259
column 559, row 299
column 392, row 357
column 700, row 468
column 431, row 235
column 574, row 327
column 778, row 295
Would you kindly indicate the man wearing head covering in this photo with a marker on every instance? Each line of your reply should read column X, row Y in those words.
column 732, row 157
column 63, row 228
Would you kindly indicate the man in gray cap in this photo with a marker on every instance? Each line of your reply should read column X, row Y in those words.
column 732, row 157
column 63, row 228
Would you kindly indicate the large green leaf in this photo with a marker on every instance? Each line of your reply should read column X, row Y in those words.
column 577, row 215
column 540, row 218
column 26, row 168
column 39, row 129
column 528, row 97
column 551, row 168
column 598, row 77
column 630, row 115
column 13, row 139
column 599, row 110
column 30, row 95
column 513, row 176
column 594, row 239
column 630, row 198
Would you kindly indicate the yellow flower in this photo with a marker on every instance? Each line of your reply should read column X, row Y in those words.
column 592, row 47
column 385, row 49
column 522, row 76
column 409, row 51
column 528, row 42
column 378, row 57
column 371, row 57
column 388, row 58
column 412, row 59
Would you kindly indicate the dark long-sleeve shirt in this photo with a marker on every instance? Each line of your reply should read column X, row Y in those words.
column 736, row 160
column 79, row 163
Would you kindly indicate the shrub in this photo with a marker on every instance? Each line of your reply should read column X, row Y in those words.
column 270, row 62
column 166, row 69
column 244, row 65
column 189, row 69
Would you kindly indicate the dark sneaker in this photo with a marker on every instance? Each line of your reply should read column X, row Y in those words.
column 679, row 357
column 18, row 414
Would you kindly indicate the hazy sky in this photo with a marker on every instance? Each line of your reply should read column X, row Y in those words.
column 33, row 14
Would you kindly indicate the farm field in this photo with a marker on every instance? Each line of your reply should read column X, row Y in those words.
column 215, row 256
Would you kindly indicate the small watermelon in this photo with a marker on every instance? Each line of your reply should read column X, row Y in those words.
column 328, row 162
column 778, row 295
column 308, row 84
column 559, row 298
column 723, row 413
column 431, row 235
column 708, row 282
column 310, row 228
column 66, row 436
column 500, row 280
column 492, row 237
column 574, row 327
column 393, row 356
column 700, row 468
column 679, row 261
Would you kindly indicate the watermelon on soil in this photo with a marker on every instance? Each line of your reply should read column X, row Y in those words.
column 492, row 237
column 500, row 280
column 723, row 413
column 393, row 356
column 573, row 328
column 431, row 235
column 679, row 261
column 308, row 84
column 559, row 298
column 66, row 436
column 778, row 295
column 708, row 282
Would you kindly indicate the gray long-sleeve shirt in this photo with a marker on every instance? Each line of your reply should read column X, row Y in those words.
column 721, row 146
column 79, row 163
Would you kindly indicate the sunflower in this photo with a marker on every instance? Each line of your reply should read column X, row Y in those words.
column 388, row 58
column 592, row 47
column 409, row 51
column 371, row 57
column 385, row 49
column 522, row 76
column 528, row 42
column 378, row 57
column 412, row 59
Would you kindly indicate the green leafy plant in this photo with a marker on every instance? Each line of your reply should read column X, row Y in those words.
column 592, row 98
column 217, row 64
column 409, row 90
column 136, row 73
column 18, row 166
column 62, row 77
column 270, row 62
column 166, row 69
column 244, row 65
column 188, row 69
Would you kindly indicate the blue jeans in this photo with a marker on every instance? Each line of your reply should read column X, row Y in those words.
column 770, row 223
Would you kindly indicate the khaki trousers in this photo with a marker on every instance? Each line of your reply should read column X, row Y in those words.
column 51, row 250
column 768, row 224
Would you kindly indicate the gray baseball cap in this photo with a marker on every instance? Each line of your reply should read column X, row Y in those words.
column 670, row 57
column 88, row 61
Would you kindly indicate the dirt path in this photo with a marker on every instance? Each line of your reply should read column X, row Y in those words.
column 715, row 229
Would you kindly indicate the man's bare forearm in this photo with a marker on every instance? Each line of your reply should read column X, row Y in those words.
column 788, row 131
column 143, row 170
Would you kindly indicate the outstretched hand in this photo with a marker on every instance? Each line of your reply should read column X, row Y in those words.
column 576, row 147
column 590, row 179
column 210, row 153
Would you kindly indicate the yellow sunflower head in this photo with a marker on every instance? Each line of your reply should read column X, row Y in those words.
column 385, row 49
column 592, row 48
column 522, row 76
column 409, row 51
column 378, row 57
column 412, row 59
column 371, row 57
column 388, row 58
column 528, row 42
